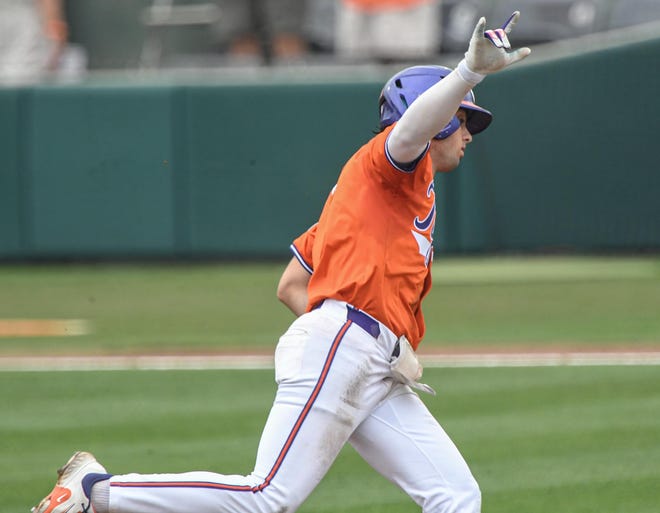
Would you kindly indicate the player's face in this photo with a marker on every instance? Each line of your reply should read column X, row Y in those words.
column 447, row 153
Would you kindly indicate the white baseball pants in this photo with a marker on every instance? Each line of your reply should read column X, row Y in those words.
column 333, row 371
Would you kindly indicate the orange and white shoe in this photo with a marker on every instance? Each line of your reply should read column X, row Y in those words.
column 68, row 496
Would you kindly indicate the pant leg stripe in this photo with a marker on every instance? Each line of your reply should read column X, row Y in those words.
column 285, row 449
column 308, row 406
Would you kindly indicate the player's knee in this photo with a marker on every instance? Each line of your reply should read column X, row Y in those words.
column 279, row 500
column 464, row 498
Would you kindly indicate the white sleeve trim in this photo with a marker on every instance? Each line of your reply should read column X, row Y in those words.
column 300, row 259
column 398, row 165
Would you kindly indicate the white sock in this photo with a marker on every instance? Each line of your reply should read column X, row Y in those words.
column 101, row 496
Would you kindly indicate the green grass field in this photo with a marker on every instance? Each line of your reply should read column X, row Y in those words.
column 539, row 440
column 210, row 307
column 555, row 439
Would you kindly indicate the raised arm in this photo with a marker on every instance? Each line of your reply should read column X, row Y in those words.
column 489, row 51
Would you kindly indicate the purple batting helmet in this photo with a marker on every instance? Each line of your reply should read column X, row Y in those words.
column 404, row 87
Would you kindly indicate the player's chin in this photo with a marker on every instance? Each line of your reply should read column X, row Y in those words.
column 446, row 169
column 449, row 165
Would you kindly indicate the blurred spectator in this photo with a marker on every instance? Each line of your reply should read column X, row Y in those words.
column 264, row 30
column 33, row 36
column 388, row 30
column 626, row 13
column 319, row 26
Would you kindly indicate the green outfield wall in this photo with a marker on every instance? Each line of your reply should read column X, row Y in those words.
column 238, row 170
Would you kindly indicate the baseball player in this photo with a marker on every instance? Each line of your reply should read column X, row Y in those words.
column 346, row 368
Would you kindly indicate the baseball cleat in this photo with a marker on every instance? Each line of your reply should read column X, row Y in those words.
column 68, row 495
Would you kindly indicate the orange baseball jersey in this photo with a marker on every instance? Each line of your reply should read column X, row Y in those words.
column 372, row 246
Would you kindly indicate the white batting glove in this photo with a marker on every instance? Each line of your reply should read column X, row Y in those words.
column 490, row 50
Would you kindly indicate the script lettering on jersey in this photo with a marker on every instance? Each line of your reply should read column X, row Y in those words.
column 426, row 225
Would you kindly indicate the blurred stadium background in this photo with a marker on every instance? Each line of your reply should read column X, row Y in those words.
column 129, row 34
column 199, row 154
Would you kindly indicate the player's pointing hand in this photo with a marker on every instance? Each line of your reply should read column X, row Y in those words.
column 490, row 50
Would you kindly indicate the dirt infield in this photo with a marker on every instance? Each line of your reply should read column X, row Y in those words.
column 43, row 327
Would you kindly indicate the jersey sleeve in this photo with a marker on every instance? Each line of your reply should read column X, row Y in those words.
column 407, row 167
column 392, row 170
column 302, row 248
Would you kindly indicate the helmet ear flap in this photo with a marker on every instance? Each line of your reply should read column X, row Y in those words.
column 451, row 127
column 388, row 115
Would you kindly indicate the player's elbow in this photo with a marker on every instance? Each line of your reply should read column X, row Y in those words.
column 283, row 291
column 293, row 294
column 292, row 287
column 287, row 287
